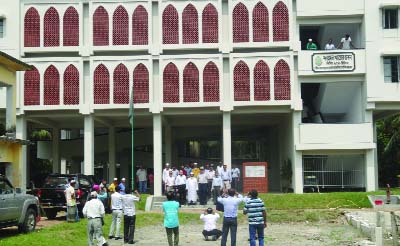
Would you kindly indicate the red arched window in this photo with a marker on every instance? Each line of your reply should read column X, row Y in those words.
column 120, row 26
column 51, row 86
column 121, row 84
column 32, row 87
column 170, row 26
column 71, row 27
column 171, row 84
column 211, row 83
column 261, row 82
column 210, row 24
column 32, row 29
column 241, row 82
column 260, row 23
column 190, row 25
column 101, row 90
column 282, row 81
column 140, row 84
column 100, row 27
column 240, row 24
column 51, row 28
column 140, row 26
column 71, row 85
column 190, row 83
column 280, row 22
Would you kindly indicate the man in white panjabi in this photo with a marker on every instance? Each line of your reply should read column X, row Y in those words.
column 192, row 187
column 165, row 175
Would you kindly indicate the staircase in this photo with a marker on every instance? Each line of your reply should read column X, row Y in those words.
column 154, row 203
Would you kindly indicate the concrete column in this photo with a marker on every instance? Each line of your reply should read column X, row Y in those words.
column 168, row 144
column 19, row 179
column 111, row 153
column 56, row 150
column 157, row 153
column 88, row 165
column 297, row 160
column 227, row 139
column 10, row 107
column 370, row 170
column 376, row 157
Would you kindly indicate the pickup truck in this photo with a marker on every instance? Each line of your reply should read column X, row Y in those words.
column 52, row 196
column 17, row 209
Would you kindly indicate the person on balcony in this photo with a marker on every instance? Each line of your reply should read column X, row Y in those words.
column 311, row 45
column 330, row 45
column 346, row 44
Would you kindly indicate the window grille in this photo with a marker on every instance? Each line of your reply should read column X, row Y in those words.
column 280, row 22
column 171, row 84
column 100, row 27
column 190, row 25
column 32, row 28
column 32, row 87
column 241, row 82
column 51, row 28
column 120, row 26
column 210, row 24
column 121, row 84
column 240, row 24
column 51, row 86
column 190, row 83
column 211, row 83
column 260, row 23
column 261, row 82
column 140, row 26
column 140, row 84
column 71, row 85
column 282, row 81
column 170, row 25
column 101, row 90
column 71, row 27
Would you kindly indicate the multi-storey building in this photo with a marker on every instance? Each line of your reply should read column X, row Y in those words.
column 212, row 80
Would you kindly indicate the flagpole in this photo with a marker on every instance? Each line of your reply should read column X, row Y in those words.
column 131, row 119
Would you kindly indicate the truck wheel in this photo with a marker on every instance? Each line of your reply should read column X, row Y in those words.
column 51, row 213
column 29, row 223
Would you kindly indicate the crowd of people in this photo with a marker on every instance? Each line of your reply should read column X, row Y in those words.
column 345, row 44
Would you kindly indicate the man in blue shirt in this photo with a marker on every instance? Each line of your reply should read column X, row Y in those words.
column 171, row 220
column 231, row 203
column 122, row 186
column 257, row 217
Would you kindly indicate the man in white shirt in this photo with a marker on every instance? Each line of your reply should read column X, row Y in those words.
column 142, row 178
column 226, row 177
column 235, row 178
column 128, row 206
column 210, row 175
column 94, row 211
column 330, row 45
column 216, row 187
column 192, row 187
column 210, row 224
column 175, row 172
column 170, row 182
column 116, row 206
column 202, row 178
column 346, row 44
column 165, row 175
column 180, row 182
column 220, row 168
column 72, row 210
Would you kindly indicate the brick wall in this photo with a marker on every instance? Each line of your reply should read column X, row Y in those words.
column 258, row 183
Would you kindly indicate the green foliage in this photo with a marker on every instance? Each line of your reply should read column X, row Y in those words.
column 286, row 175
column 41, row 135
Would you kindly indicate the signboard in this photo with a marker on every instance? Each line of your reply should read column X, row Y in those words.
column 255, row 171
column 333, row 62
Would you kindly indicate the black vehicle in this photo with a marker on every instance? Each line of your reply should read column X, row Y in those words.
column 52, row 196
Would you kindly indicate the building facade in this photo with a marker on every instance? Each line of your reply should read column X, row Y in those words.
column 212, row 80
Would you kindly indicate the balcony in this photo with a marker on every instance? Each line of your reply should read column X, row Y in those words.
column 332, row 62
column 312, row 8
column 335, row 136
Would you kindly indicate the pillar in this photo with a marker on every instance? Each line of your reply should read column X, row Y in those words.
column 111, row 153
column 88, row 162
column 297, row 160
column 19, row 180
column 227, row 139
column 56, row 150
column 157, row 153
column 370, row 184
column 10, row 107
column 168, row 144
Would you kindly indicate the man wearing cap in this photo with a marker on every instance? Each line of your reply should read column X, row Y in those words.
column 112, row 186
column 94, row 211
column 116, row 206
column 226, row 176
column 311, row 45
column 165, row 175
column 122, row 186
column 128, row 206
column 141, row 174
column 203, row 182
column 72, row 211
column 210, row 224
column 192, row 187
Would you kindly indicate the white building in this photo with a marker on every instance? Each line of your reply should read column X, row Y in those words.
column 213, row 80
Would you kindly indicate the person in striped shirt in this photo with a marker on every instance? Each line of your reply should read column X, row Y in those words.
column 257, row 217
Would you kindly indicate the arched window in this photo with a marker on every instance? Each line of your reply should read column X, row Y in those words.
column 190, row 25
column 51, row 28
column 101, row 90
column 280, row 22
column 261, row 82
column 120, row 26
column 190, row 83
column 32, row 87
column 170, row 26
column 171, row 84
column 140, row 26
column 51, row 86
column 240, row 24
column 140, row 84
column 260, row 23
column 71, row 27
column 241, row 82
column 71, row 85
column 210, row 24
column 32, row 28
column 282, row 81
column 100, row 27
column 121, row 84
column 211, row 83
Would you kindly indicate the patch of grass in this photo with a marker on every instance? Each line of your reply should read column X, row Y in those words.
column 291, row 216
